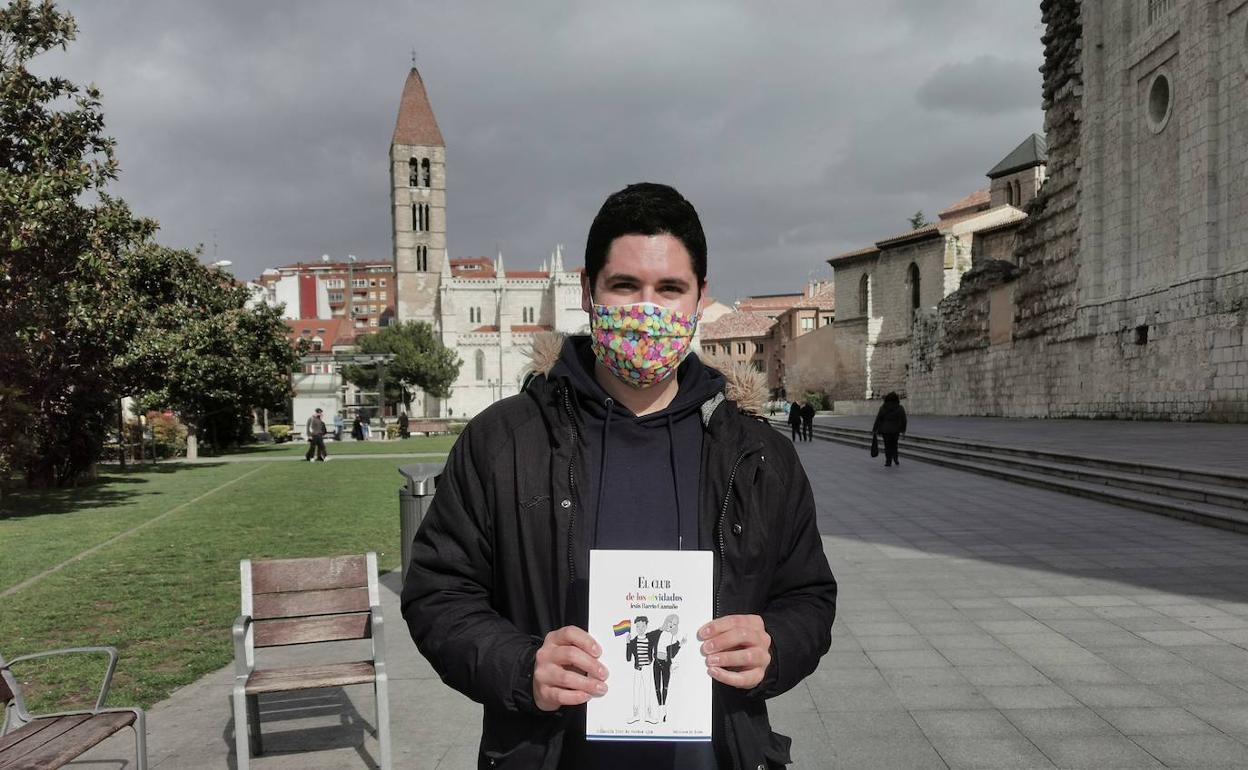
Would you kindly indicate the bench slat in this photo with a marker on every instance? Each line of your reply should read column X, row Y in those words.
column 280, row 575
column 310, row 677
column 326, row 628
column 69, row 744
column 29, row 738
column 290, row 604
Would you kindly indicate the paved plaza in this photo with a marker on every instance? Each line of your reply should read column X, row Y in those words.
column 981, row 625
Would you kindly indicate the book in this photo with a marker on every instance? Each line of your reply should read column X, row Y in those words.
column 645, row 609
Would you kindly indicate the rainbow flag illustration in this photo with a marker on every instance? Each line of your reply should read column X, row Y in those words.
column 623, row 627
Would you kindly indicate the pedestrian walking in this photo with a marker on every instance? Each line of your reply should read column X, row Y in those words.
column 795, row 421
column 890, row 422
column 357, row 429
column 338, row 426
column 403, row 423
column 497, row 591
column 808, row 421
column 316, row 437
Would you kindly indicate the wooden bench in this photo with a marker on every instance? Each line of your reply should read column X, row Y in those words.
column 54, row 740
column 429, row 427
column 305, row 601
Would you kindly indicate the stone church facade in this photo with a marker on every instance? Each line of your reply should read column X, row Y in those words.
column 1126, row 293
column 485, row 313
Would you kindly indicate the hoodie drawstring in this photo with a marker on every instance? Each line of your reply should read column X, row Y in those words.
column 671, row 448
column 602, row 465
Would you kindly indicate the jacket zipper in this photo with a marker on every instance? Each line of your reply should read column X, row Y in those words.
column 723, row 513
column 567, row 405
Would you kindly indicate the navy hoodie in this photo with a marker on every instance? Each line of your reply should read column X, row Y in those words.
column 639, row 480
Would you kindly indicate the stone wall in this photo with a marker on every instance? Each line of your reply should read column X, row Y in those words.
column 1131, row 293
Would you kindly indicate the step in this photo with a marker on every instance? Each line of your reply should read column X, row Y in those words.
column 1188, row 510
column 1150, row 470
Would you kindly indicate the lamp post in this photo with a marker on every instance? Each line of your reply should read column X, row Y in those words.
column 351, row 260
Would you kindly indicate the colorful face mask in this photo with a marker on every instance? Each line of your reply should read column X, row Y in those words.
column 641, row 344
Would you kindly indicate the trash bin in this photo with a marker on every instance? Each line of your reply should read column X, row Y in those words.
column 414, row 499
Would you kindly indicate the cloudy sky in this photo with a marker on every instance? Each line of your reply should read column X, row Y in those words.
column 799, row 130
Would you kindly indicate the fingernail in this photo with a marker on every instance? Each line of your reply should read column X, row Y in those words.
column 713, row 660
column 601, row 689
column 708, row 648
column 597, row 650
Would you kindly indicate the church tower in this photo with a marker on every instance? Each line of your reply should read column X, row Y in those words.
column 418, row 204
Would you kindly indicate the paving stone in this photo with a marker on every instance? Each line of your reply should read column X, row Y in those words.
column 1154, row 721
column 1003, row 675
column 907, row 658
column 1094, row 752
column 959, row 724
column 1196, row 751
column 991, row 753
column 1098, row 696
column 1078, row 720
column 1028, row 696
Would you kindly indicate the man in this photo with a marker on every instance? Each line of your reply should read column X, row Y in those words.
column 403, row 426
column 795, row 421
column 316, row 437
column 640, row 652
column 808, row 421
column 623, row 442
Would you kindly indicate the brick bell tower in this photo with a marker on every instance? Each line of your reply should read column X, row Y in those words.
column 418, row 204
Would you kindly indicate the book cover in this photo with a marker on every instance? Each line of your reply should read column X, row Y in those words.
column 645, row 609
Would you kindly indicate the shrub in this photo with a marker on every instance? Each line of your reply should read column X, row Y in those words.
column 168, row 434
column 279, row 433
column 818, row 400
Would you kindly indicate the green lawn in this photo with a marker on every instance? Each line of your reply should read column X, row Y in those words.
column 414, row 445
column 167, row 595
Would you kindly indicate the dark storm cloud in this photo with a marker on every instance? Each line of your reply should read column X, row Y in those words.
column 798, row 131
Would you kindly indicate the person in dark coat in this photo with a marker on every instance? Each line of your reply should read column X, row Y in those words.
column 795, row 420
column 808, row 421
column 601, row 453
column 357, row 429
column 403, row 423
column 890, row 422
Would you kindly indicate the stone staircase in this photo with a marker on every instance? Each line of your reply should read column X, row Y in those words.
column 1213, row 499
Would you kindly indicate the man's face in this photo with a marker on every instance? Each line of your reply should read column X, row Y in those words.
column 646, row 268
column 641, row 626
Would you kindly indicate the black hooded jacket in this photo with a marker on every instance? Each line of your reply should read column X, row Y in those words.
column 497, row 560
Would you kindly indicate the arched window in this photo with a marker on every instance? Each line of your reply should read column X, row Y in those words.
column 1009, row 194
column 424, row 171
column 416, row 217
column 413, row 173
column 912, row 278
column 864, row 294
column 480, row 363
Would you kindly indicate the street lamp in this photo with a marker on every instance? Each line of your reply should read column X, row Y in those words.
column 351, row 260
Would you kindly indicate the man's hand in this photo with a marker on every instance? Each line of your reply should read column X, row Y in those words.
column 737, row 650
column 566, row 671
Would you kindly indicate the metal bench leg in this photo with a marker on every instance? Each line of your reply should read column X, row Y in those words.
column 253, row 722
column 383, row 720
column 241, row 729
column 140, row 740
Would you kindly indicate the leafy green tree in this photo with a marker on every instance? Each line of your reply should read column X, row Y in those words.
column 917, row 221
column 62, row 241
column 421, row 363
column 201, row 351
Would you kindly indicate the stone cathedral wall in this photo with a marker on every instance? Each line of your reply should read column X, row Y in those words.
column 1129, row 298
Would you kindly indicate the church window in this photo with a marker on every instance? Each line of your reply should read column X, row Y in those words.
column 422, row 259
column 758, row 348
column 913, row 280
column 864, row 293
column 416, row 217
column 528, row 315
column 413, row 173
column 1158, row 8
column 1009, row 194
column 741, row 348
column 1160, row 102
column 424, row 172
column 480, row 364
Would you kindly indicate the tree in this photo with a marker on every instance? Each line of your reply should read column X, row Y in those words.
column 421, row 362
column 201, row 351
column 918, row 220
column 62, row 241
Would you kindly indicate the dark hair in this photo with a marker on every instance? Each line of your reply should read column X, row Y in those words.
column 641, row 619
column 892, row 398
column 645, row 208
